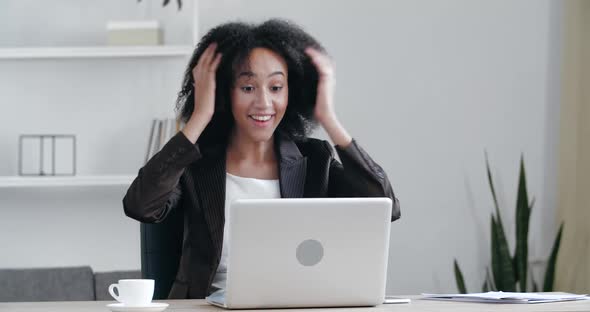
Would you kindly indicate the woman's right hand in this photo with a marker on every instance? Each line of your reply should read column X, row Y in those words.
column 204, row 93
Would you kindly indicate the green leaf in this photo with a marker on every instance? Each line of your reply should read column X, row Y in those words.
column 459, row 278
column 501, row 259
column 179, row 2
column 523, row 215
column 502, row 269
column 490, row 181
column 535, row 286
column 550, row 272
column 487, row 283
column 489, row 279
column 515, row 269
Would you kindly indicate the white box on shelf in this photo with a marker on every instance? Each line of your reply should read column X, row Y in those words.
column 134, row 33
column 47, row 155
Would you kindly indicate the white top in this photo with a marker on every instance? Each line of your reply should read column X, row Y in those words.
column 241, row 188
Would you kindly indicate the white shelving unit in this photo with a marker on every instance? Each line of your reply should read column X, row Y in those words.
column 67, row 80
column 61, row 181
column 74, row 52
column 94, row 52
column 66, row 53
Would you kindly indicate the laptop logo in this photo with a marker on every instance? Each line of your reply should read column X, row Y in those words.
column 310, row 252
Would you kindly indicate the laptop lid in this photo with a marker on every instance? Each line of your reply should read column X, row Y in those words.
column 307, row 252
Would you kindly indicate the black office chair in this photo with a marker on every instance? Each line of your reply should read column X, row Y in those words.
column 161, row 247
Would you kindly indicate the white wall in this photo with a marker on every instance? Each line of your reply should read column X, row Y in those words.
column 425, row 87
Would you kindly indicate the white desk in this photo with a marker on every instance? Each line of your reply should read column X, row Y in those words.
column 200, row 305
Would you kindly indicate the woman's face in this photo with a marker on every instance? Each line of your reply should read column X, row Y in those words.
column 260, row 95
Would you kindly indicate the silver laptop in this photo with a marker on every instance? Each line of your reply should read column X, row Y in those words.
column 307, row 252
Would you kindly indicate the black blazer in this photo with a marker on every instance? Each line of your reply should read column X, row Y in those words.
column 182, row 176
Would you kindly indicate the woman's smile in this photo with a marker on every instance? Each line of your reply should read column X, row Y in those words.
column 262, row 120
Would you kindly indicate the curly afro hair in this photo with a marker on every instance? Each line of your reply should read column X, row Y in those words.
column 235, row 41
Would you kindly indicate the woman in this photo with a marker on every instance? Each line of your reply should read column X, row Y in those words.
column 250, row 96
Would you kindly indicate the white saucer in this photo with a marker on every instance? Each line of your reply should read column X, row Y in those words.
column 152, row 307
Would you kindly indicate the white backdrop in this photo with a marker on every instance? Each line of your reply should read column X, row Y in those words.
column 424, row 86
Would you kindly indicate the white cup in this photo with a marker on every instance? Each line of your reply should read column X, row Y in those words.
column 133, row 292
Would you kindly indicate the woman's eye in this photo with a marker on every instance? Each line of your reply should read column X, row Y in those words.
column 276, row 88
column 248, row 89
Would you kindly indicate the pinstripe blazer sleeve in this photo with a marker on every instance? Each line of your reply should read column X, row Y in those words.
column 359, row 176
column 156, row 189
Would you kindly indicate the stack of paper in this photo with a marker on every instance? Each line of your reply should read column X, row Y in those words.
column 507, row 297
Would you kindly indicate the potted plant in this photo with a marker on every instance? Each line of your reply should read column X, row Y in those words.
column 509, row 271
column 179, row 2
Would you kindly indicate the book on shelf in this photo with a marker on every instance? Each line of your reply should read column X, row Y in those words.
column 160, row 136
column 151, row 141
column 161, row 131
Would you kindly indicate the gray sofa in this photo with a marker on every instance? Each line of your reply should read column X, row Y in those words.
column 58, row 284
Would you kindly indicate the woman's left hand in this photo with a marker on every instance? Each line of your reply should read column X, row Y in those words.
column 324, row 108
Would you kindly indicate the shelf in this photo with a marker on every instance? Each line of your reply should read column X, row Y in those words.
column 51, row 181
column 94, row 52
